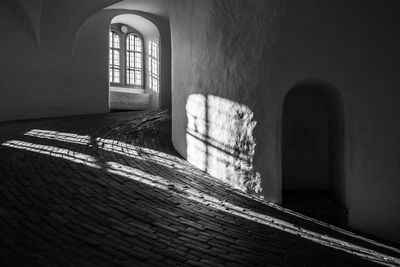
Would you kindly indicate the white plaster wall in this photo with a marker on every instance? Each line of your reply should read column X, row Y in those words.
column 156, row 7
column 39, row 82
column 253, row 52
column 129, row 101
column 215, row 53
column 60, row 68
column 224, row 150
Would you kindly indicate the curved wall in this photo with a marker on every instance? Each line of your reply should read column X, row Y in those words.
column 253, row 52
column 67, row 73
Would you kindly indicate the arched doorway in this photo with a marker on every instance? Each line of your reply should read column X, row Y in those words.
column 312, row 152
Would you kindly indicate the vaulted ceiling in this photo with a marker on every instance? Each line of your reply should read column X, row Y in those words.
column 54, row 23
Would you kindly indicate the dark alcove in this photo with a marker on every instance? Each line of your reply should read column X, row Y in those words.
column 312, row 153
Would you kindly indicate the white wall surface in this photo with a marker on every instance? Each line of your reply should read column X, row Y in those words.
column 253, row 52
column 59, row 66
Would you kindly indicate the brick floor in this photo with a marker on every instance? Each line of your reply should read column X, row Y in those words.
column 109, row 190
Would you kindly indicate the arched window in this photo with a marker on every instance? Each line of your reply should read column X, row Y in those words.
column 126, row 65
column 134, row 60
column 115, row 61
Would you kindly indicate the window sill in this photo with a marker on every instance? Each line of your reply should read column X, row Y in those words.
column 114, row 88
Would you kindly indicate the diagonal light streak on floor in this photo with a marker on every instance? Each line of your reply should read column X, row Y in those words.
column 110, row 190
column 195, row 195
column 140, row 153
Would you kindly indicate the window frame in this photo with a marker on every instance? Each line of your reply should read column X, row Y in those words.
column 154, row 60
column 135, row 52
column 111, row 62
column 123, row 56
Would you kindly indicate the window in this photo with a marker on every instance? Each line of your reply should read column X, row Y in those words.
column 114, row 57
column 153, row 66
column 134, row 62
column 126, row 57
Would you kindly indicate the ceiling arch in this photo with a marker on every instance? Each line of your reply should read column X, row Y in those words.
column 44, row 20
column 33, row 11
column 143, row 25
column 62, row 19
column 143, row 8
column 27, row 13
column 155, row 7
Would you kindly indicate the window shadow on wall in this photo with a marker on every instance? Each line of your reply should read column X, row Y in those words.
column 220, row 141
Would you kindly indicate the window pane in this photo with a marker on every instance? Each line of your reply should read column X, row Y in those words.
column 154, row 50
column 116, row 75
column 114, row 57
column 153, row 67
column 134, row 55
column 138, row 44
column 116, row 40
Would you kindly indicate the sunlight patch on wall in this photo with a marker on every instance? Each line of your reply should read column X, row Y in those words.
column 220, row 140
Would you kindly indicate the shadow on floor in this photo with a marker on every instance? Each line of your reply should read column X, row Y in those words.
column 110, row 190
column 316, row 204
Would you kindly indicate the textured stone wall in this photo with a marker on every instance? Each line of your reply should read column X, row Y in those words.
column 39, row 76
column 220, row 140
column 252, row 53
column 215, row 55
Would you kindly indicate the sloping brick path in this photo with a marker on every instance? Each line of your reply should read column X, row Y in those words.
column 109, row 190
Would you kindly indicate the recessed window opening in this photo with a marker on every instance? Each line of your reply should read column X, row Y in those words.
column 135, row 64
column 126, row 57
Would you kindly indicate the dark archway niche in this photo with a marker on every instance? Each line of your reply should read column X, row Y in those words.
column 313, row 179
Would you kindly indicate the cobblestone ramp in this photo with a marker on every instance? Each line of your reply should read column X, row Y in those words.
column 109, row 190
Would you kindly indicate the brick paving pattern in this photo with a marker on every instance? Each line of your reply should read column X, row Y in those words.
column 109, row 190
